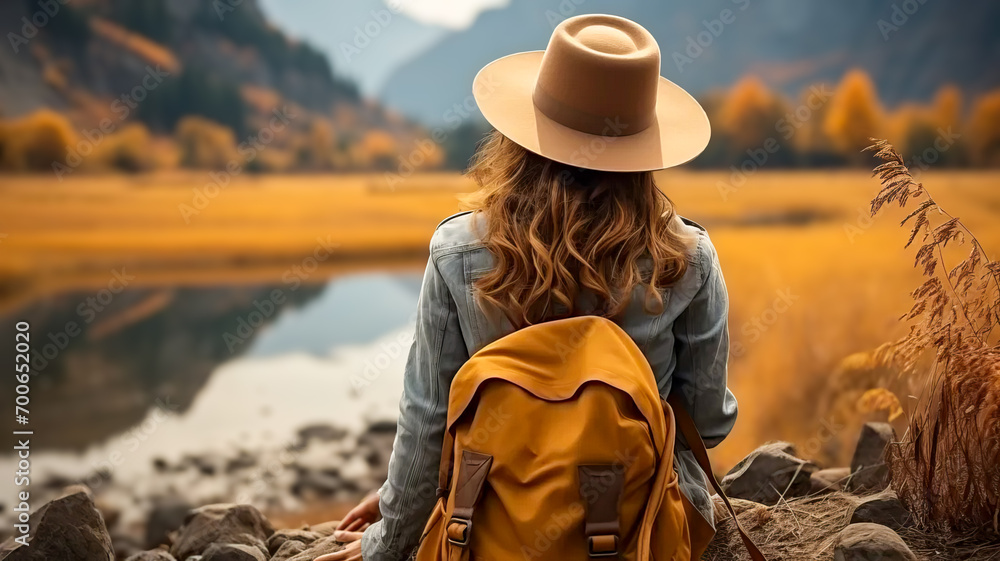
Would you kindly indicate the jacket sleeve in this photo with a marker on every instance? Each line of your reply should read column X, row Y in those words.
column 409, row 493
column 701, row 339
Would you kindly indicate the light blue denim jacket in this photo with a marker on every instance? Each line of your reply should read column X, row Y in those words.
column 687, row 346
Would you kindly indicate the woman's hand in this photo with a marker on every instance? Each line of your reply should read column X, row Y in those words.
column 351, row 552
column 365, row 513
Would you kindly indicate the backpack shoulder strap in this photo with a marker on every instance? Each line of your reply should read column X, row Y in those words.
column 687, row 427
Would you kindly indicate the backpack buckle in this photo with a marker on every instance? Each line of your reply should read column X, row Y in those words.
column 459, row 531
column 603, row 545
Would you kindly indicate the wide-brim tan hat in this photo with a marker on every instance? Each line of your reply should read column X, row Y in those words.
column 594, row 98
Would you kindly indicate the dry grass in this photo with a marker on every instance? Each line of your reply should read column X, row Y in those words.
column 947, row 467
column 806, row 529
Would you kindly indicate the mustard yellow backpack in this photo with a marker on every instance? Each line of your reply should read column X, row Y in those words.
column 558, row 446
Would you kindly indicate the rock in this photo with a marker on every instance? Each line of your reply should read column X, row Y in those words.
column 243, row 460
column 314, row 550
column 204, row 463
column 385, row 426
column 221, row 523
column 69, row 527
column 325, row 528
column 322, row 432
column 281, row 537
column 828, row 480
column 166, row 516
column 868, row 470
column 77, row 488
column 161, row 465
column 154, row 555
column 885, row 508
column 58, row 482
column 870, row 542
column 321, row 484
column 288, row 550
column 375, row 446
column 233, row 552
column 125, row 544
column 768, row 473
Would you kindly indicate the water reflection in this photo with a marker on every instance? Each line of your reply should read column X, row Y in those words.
column 165, row 346
column 138, row 398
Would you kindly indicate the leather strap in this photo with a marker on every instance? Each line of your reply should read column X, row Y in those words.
column 472, row 474
column 444, row 468
column 690, row 431
column 601, row 489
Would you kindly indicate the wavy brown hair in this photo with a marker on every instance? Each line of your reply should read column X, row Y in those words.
column 555, row 230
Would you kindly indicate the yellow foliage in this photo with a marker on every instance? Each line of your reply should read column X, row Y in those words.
column 881, row 399
column 378, row 143
column 854, row 115
column 317, row 150
column 984, row 130
column 377, row 148
column 35, row 142
column 908, row 123
column 204, row 143
column 947, row 107
column 129, row 149
column 749, row 113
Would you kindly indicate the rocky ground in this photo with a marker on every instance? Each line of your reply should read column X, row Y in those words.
column 321, row 465
column 794, row 509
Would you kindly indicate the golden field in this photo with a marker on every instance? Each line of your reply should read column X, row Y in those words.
column 811, row 278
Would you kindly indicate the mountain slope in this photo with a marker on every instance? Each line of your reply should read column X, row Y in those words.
column 789, row 43
column 214, row 59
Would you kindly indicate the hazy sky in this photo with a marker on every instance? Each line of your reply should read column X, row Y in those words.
column 454, row 14
column 368, row 40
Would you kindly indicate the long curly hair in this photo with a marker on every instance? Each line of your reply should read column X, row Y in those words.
column 555, row 230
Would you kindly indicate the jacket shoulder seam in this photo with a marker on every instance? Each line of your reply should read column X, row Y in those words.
column 689, row 222
column 457, row 214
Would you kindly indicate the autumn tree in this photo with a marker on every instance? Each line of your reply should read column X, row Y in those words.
column 854, row 116
column 748, row 119
column 37, row 142
column 317, row 150
column 984, row 130
column 204, row 143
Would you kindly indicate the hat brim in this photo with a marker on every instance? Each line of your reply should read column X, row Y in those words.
column 503, row 91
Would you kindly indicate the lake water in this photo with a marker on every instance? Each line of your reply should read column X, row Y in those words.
column 168, row 372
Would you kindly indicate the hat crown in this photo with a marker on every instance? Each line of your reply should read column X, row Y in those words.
column 606, row 39
column 599, row 75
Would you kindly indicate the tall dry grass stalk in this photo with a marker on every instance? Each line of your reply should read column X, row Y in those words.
column 946, row 469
